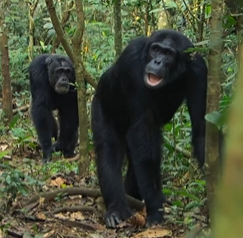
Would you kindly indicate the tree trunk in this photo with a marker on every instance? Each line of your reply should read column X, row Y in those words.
column 64, row 19
column 75, row 55
column 117, row 27
column 6, row 84
column 32, row 8
column 213, row 96
column 83, row 117
column 228, row 217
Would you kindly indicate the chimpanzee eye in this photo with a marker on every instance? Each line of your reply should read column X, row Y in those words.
column 167, row 52
column 156, row 49
column 68, row 70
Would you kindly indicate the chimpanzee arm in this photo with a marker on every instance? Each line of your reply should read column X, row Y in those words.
column 144, row 142
column 196, row 102
column 110, row 152
column 44, row 122
column 68, row 124
column 68, row 120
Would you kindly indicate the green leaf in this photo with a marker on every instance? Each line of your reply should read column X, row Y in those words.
column 42, row 45
column 216, row 118
column 13, row 122
column 48, row 25
column 208, row 10
column 170, row 4
column 3, row 153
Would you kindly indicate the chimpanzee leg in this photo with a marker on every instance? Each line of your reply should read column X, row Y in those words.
column 70, row 148
column 145, row 146
column 43, row 121
column 110, row 153
column 68, row 135
column 130, row 183
column 54, row 129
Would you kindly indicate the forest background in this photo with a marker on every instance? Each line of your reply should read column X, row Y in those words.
column 28, row 28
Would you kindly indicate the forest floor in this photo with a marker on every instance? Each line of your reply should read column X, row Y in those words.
column 53, row 201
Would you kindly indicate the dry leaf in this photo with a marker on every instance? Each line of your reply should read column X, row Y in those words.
column 41, row 200
column 156, row 232
column 41, row 215
column 3, row 147
column 49, row 234
column 137, row 220
column 57, row 182
column 60, row 216
column 77, row 216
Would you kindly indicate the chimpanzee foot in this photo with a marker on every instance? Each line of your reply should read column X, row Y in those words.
column 56, row 147
column 155, row 218
column 47, row 155
column 68, row 154
column 113, row 217
column 46, row 160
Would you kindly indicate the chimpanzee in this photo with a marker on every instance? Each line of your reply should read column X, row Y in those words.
column 52, row 86
column 135, row 97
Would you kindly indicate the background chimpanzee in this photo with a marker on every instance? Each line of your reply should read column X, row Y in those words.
column 52, row 79
column 134, row 98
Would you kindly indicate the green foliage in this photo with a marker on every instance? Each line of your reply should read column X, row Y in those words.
column 22, row 136
column 215, row 118
column 14, row 183
column 60, row 166
column 98, row 54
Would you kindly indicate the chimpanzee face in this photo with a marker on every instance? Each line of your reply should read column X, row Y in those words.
column 164, row 65
column 61, row 74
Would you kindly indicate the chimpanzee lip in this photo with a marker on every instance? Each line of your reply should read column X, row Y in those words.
column 62, row 90
column 153, row 80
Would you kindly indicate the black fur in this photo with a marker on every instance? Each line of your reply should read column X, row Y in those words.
column 135, row 97
column 51, row 85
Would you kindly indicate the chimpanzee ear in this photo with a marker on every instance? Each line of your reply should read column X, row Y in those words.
column 48, row 61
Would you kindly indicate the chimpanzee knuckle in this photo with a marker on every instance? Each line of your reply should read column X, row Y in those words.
column 112, row 219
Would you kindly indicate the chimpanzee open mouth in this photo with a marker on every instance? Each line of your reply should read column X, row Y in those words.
column 153, row 80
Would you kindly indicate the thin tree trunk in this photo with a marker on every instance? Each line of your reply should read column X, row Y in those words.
column 75, row 55
column 32, row 8
column 213, row 98
column 83, row 117
column 65, row 17
column 117, row 27
column 6, row 84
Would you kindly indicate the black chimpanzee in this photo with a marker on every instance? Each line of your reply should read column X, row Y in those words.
column 52, row 79
column 135, row 97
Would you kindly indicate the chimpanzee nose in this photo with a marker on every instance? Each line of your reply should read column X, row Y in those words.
column 158, row 60
column 64, row 79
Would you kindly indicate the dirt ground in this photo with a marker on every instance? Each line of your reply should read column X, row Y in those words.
column 67, row 206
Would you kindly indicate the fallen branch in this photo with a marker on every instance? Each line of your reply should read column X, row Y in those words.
column 73, row 209
column 61, row 193
column 21, row 109
column 186, row 153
